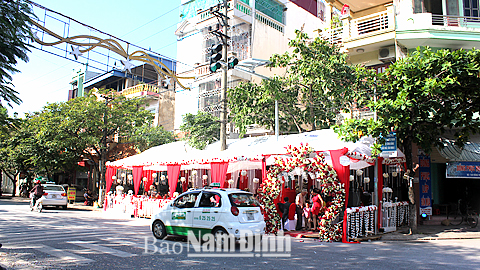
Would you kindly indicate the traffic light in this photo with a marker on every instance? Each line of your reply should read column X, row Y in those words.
column 215, row 57
column 232, row 62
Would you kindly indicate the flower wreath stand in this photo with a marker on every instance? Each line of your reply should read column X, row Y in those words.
column 316, row 169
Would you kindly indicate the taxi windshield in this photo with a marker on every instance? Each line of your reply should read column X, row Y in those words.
column 243, row 200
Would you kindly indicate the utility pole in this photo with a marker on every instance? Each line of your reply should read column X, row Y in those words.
column 223, row 94
column 225, row 64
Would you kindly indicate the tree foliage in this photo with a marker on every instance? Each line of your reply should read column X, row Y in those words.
column 317, row 85
column 76, row 128
column 15, row 25
column 420, row 97
column 423, row 95
column 200, row 129
column 146, row 137
column 13, row 155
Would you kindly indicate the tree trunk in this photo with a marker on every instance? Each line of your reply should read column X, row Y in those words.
column 1, row 178
column 14, row 190
column 311, row 108
column 407, row 150
column 14, row 181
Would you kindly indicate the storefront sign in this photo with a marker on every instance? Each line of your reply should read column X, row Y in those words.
column 425, row 182
column 463, row 169
column 71, row 193
column 390, row 143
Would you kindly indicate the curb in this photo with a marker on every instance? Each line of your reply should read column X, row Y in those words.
column 77, row 205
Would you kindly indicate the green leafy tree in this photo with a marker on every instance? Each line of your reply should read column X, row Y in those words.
column 13, row 157
column 420, row 97
column 15, row 25
column 146, row 137
column 51, row 148
column 200, row 129
column 317, row 85
column 85, row 127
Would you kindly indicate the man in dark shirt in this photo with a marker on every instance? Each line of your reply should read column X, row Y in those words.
column 37, row 191
column 284, row 208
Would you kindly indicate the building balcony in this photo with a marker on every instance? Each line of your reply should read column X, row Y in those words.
column 441, row 31
column 376, row 28
column 142, row 90
column 380, row 29
column 240, row 9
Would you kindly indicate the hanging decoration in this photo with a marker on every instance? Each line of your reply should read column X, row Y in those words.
column 79, row 47
column 330, row 187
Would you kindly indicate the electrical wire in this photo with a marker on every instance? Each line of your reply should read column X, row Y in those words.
column 151, row 21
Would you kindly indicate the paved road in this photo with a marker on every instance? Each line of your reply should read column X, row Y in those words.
column 76, row 239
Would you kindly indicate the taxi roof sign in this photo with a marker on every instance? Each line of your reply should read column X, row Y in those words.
column 215, row 185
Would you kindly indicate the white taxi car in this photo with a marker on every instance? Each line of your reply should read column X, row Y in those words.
column 54, row 195
column 207, row 210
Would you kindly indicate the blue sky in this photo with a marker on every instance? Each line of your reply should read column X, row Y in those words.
column 146, row 23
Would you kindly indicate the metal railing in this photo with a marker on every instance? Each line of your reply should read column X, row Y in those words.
column 455, row 21
column 374, row 23
column 371, row 23
column 334, row 36
column 244, row 8
column 269, row 21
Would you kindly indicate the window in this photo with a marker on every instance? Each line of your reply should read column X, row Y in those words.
column 54, row 188
column 243, row 200
column 321, row 10
column 470, row 8
column 210, row 199
column 186, row 201
column 428, row 6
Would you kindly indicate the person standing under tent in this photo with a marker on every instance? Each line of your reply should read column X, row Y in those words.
column 318, row 204
column 284, row 209
column 300, row 203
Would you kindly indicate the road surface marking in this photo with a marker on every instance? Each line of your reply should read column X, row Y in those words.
column 58, row 253
column 97, row 247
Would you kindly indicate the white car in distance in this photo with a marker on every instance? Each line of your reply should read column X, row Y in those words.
column 54, row 195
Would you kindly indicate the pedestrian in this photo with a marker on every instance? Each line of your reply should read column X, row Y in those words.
column 284, row 209
column 307, row 213
column 318, row 204
column 300, row 203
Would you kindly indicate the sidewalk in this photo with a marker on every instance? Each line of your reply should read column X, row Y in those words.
column 76, row 205
column 430, row 230
column 434, row 232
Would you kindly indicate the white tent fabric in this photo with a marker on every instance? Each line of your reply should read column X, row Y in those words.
column 241, row 153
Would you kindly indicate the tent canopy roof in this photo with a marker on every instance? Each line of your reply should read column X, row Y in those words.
column 245, row 149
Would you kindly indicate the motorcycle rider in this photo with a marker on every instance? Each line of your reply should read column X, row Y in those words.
column 37, row 191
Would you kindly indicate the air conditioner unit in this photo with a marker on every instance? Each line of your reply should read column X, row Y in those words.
column 386, row 54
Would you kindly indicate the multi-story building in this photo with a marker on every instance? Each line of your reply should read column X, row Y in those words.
column 378, row 32
column 257, row 29
column 141, row 81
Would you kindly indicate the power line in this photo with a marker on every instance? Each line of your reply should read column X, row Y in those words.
column 151, row 21
column 158, row 32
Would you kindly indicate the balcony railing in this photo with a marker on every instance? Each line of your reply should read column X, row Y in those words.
column 139, row 88
column 368, row 24
column 334, row 36
column 376, row 23
column 455, row 21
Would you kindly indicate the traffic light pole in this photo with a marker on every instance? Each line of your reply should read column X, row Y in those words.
column 223, row 94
